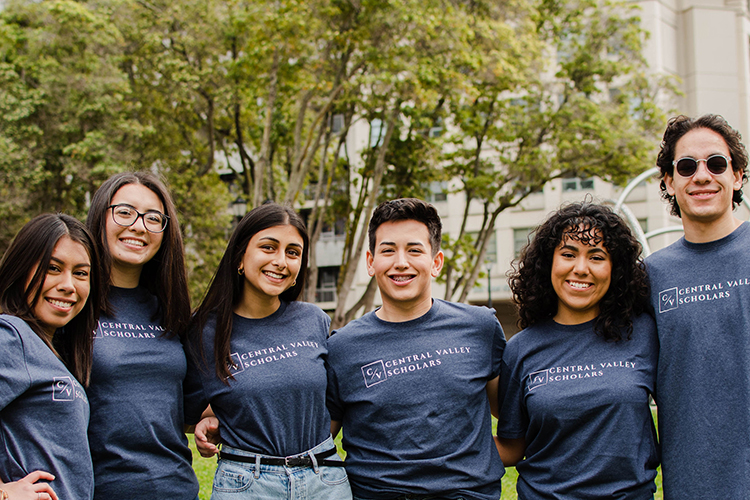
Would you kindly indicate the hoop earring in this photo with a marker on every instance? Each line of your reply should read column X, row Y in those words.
column 294, row 283
column 240, row 271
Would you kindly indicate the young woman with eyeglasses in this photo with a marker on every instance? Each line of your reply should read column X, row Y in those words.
column 575, row 383
column 49, row 298
column 260, row 362
column 136, row 433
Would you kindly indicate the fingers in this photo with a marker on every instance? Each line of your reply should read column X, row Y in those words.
column 38, row 475
column 46, row 493
column 29, row 488
column 205, row 448
column 207, row 426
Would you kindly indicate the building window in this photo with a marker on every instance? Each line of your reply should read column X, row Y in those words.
column 491, row 254
column 520, row 239
column 337, row 123
column 329, row 231
column 326, row 289
column 577, row 184
column 437, row 191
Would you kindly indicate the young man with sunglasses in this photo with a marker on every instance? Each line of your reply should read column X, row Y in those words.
column 700, row 291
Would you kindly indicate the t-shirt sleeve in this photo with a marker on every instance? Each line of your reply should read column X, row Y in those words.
column 333, row 401
column 14, row 373
column 513, row 419
column 498, row 347
column 195, row 401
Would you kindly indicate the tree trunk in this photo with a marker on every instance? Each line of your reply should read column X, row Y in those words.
column 339, row 317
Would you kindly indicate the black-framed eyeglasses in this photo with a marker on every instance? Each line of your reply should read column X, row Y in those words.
column 125, row 215
column 716, row 164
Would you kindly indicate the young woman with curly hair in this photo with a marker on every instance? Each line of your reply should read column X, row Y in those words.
column 575, row 383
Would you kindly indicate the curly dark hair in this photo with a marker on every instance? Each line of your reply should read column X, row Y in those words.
column 628, row 293
column 681, row 125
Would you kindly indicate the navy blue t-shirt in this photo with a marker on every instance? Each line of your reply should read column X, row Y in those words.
column 582, row 404
column 276, row 403
column 413, row 403
column 701, row 297
column 137, row 437
column 43, row 414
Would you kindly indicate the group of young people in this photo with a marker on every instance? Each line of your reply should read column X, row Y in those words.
column 412, row 385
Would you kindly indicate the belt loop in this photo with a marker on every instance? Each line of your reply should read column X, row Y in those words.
column 256, row 474
column 314, row 461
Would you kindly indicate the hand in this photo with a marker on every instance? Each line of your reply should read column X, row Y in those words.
column 29, row 489
column 207, row 436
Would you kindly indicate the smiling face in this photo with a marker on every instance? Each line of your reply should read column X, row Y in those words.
column 66, row 285
column 705, row 199
column 132, row 247
column 581, row 275
column 403, row 266
column 270, row 264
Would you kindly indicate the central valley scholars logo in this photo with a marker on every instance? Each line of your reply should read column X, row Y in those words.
column 240, row 361
column 113, row 329
column 62, row 389
column 374, row 373
column 65, row 389
column 537, row 379
column 672, row 298
column 380, row 370
column 668, row 300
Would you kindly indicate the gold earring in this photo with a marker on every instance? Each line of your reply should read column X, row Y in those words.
column 240, row 271
column 295, row 282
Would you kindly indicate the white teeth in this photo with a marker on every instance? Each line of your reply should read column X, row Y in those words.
column 274, row 275
column 580, row 286
column 401, row 278
column 60, row 303
column 134, row 242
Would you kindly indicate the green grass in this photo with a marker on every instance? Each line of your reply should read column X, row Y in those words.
column 205, row 467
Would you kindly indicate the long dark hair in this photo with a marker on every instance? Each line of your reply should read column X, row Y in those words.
column 225, row 291
column 164, row 275
column 30, row 252
column 627, row 296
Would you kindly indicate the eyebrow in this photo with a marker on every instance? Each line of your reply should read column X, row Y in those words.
column 74, row 265
column 590, row 250
column 270, row 238
column 409, row 244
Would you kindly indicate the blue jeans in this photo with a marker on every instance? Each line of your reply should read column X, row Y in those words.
column 240, row 481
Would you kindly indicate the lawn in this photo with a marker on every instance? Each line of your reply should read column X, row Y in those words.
column 204, row 468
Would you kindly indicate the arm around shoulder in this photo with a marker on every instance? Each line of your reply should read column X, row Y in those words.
column 511, row 450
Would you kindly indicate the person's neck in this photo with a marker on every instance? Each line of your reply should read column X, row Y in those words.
column 125, row 278
column 400, row 312
column 256, row 308
column 706, row 232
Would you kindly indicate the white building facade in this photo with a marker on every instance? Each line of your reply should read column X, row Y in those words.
column 706, row 44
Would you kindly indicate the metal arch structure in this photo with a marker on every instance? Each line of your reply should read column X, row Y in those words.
column 622, row 209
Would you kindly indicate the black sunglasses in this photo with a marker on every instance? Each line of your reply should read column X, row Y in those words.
column 716, row 164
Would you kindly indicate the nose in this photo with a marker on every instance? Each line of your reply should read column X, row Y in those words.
column 140, row 224
column 701, row 173
column 581, row 266
column 280, row 260
column 65, row 283
column 401, row 260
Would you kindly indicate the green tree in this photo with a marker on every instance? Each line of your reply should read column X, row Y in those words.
column 588, row 109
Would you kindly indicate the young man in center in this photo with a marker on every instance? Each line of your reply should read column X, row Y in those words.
column 414, row 382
